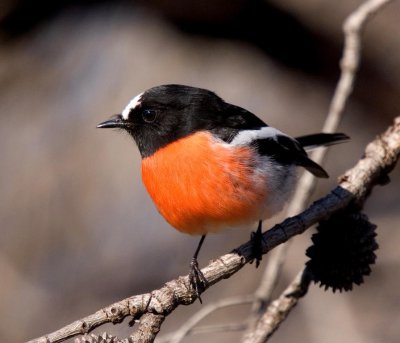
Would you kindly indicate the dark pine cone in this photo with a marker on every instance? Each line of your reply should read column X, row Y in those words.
column 343, row 251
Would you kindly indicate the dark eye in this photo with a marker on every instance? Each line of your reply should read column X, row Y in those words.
column 149, row 115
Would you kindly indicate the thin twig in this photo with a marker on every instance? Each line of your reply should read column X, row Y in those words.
column 206, row 329
column 205, row 311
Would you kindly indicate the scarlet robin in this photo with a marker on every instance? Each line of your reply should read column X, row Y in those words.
column 210, row 165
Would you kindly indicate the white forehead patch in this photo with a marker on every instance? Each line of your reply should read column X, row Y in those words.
column 132, row 104
column 247, row 136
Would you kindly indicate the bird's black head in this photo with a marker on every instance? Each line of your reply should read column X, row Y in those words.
column 166, row 113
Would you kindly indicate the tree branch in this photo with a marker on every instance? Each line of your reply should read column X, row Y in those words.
column 147, row 331
column 150, row 325
column 380, row 158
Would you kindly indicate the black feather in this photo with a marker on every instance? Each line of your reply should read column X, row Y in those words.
column 321, row 139
column 312, row 167
column 286, row 150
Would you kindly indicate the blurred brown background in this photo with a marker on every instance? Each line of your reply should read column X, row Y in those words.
column 78, row 230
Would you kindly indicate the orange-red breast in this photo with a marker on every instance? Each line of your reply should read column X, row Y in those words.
column 209, row 165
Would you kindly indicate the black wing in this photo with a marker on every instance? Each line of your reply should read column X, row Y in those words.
column 288, row 151
column 229, row 120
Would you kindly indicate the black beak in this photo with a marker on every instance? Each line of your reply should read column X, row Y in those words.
column 114, row 122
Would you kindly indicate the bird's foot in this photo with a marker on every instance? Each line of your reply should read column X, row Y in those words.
column 257, row 240
column 196, row 278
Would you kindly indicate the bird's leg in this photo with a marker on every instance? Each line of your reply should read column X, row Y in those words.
column 257, row 242
column 196, row 278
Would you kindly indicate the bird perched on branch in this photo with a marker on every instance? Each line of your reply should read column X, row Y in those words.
column 210, row 165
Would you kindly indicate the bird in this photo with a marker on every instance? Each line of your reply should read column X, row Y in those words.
column 209, row 165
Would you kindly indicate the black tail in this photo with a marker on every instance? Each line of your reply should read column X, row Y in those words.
column 321, row 139
column 312, row 167
column 316, row 140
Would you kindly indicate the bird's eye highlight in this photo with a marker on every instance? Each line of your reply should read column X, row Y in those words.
column 149, row 115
